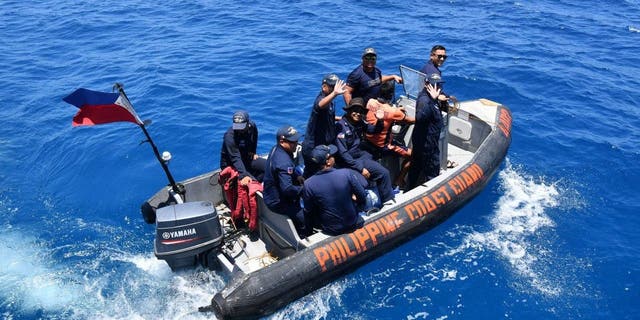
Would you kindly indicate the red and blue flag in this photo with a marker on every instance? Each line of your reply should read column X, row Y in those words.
column 101, row 107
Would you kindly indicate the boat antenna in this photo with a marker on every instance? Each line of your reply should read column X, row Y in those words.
column 177, row 188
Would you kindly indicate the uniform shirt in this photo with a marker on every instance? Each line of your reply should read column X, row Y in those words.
column 429, row 123
column 327, row 197
column 279, row 191
column 238, row 149
column 365, row 84
column 348, row 141
column 391, row 114
column 429, row 68
column 321, row 127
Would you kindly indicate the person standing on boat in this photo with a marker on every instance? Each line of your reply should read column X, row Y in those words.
column 321, row 128
column 239, row 149
column 365, row 80
column 425, row 157
column 351, row 129
column 282, row 187
column 436, row 59
column 329, row 194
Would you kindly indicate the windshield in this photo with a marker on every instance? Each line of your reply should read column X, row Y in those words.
column 412, row 81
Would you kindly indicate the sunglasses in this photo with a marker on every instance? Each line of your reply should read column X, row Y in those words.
column 370, row 58
column 441, row 56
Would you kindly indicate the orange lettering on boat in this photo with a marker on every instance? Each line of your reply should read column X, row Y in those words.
column 505, row 122
column 396, row 220
column 431, row 206
column 439, row 200
column 410, row 209
column 454, row 186
column 373, row 231
column 389, row 224
column 467, row 178
column 362, row 236
column 334, row 253
column 355, row 242
column 382, row 228
column 347, row 249
column 322, row 256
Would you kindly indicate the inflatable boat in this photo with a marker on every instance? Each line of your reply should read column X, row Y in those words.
column 276, row 267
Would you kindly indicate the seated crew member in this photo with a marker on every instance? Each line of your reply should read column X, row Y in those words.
column 321, row 128
column 282, row 188
column 239, row 149
column 383, row 142
column 329, row 194
column 425, row 157
column 365, row 80
column 350, row 130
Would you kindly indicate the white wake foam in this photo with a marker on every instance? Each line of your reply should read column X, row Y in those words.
column 315, row 305
column 115, row 285
column 519, row 219
column 26, row 279
column 149, row 289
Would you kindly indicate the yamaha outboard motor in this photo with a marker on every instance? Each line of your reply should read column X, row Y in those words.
column 186, row 233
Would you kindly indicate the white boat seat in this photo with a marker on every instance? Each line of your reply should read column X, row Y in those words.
column 460, row 128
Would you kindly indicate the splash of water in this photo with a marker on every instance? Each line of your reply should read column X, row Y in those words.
column 520, row 217
column 28, row 282
column 113, row 285
column 315, row 305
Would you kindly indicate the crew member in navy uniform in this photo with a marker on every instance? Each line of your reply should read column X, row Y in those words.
column 328, row 194
column 436, row 59
column 282, row 185
column 365, row 80
column 351, row 129
column 321, row 128
column 239, row 149
column 425, row 157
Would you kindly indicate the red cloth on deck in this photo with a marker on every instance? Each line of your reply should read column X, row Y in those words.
column 241, row 199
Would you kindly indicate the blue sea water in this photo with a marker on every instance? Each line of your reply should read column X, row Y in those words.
column 553, row 236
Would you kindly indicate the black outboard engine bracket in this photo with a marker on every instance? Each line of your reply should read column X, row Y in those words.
column 186, row 233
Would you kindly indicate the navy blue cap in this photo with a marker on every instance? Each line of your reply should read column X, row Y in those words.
column 288, row 133
column 368, row 51
column 330, row 79
column 433, row 79
column 240, row 119
column 321, row 153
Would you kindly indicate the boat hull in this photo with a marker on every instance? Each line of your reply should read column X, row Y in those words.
column 266, row 290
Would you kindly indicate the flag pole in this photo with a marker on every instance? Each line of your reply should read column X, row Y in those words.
column 177, row 188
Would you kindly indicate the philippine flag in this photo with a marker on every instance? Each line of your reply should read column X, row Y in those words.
column 100, row 107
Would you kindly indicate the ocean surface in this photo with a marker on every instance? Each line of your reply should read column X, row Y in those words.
column 555, row 235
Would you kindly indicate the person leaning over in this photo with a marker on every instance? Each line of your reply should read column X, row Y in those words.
column 238, row 150
column 282, row 187
column 329, row 194
column 365, row 80
column 321, row 127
